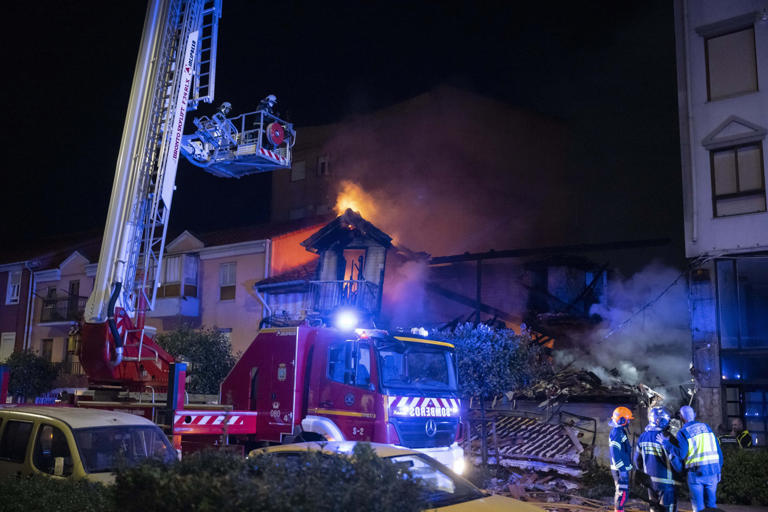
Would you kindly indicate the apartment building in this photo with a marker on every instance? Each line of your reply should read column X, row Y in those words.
column 722, row 61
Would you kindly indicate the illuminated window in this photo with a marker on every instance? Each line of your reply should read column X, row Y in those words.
column 179, row 270
column 14, row 287
column 731, row 64
column 298, row 171
column 227, row 281
column 742, row 300
column 738, row 184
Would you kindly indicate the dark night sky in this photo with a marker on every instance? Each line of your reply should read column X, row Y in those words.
column 605, row 68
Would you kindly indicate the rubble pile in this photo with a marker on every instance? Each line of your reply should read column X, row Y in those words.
column 534, row 454
column 586, row 385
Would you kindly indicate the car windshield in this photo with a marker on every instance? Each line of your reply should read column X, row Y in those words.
column 441, row 487
column 103, row 449
column 415, row 366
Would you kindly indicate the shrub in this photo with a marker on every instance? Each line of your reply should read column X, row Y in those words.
column 208, row 351
column 45, row 493
column 744, row 477
column 494, row 361
column 31, row 375
column 308, row 481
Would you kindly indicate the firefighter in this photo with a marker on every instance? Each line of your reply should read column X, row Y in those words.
column 269, row 104
column 698, row 453
column 741, row 434
column 621, row 455
column 651, row 458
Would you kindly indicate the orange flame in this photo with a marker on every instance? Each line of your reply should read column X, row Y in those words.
column 351, row 195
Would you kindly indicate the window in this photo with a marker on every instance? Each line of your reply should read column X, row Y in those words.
column 731, row 64
column 756, row 414
column 46, row 351
column 323, row 166
column 7, row 342
column 13, row 445
column 14, row 287
column 178, row 270
column 227, row 280
column 742, row 296
column 51, row 444
column 350, row 363
column 738, row 185
column 298, row 171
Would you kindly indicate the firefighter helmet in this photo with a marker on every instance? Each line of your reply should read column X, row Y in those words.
column 621, row 417
column 658, row 417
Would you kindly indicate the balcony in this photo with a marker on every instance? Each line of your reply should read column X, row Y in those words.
column 325, row 296
column 62, row 309
column 69, row 368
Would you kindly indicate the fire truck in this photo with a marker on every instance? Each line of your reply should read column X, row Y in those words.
column 295, row 383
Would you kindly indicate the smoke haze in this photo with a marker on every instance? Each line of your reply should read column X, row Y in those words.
column 450, row 172
column 653, row 348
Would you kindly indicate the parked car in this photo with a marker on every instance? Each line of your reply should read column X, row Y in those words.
column 68, row 442
column 446, row 491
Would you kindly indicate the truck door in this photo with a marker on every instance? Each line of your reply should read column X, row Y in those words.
column 347, row 391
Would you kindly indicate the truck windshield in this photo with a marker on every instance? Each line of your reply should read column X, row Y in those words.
column 102, row 449
column 411, row 365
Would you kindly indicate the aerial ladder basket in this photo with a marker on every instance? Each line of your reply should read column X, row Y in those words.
column 250, row 143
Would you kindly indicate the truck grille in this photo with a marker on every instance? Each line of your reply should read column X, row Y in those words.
column 412, row 432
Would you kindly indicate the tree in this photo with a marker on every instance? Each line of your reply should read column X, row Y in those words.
column 492, row 362
column 208, row 352
column 31, row 375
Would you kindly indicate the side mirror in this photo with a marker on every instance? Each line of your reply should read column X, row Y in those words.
column 58, row 466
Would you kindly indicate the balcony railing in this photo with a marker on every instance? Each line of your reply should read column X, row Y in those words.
column 69, row 368
column 328, row 295
column 62, row 309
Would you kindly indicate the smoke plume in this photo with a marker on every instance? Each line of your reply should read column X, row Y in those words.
column 643, row 343
column 448, row 172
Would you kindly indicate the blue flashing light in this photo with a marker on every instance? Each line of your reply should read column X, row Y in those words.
column 346, row 320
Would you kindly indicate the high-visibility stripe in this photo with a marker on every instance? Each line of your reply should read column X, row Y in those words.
column 420, row 340
column 660, row 480
column 616, row 444
column 336, row 412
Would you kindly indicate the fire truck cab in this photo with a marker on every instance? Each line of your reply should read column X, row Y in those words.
column 320, row 383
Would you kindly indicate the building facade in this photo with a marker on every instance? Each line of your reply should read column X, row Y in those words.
column 722, row 61
column 15, row 319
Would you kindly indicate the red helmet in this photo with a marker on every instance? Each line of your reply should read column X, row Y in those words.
column 621, row 417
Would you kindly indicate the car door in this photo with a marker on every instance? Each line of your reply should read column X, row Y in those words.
column 347, row 394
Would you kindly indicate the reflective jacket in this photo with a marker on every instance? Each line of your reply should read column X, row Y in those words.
column 621, row 450
column 651, row 458
column 744, row 439
column 698, row 450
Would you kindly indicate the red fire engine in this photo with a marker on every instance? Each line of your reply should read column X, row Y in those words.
column 292, row 383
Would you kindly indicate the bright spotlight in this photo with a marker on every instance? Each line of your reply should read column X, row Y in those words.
column 346, row 320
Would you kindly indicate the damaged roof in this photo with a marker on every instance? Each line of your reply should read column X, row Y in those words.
column 346, row 225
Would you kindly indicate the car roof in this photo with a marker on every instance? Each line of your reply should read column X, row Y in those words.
column 382, row 450
column 77, row 417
